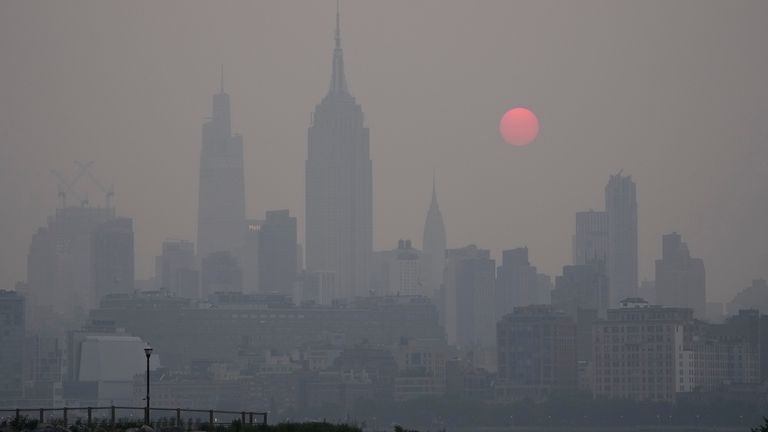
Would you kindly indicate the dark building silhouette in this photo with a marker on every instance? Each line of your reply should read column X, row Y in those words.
column 277, row 253
column 113, row 258
column 12, row 332
column 221, row 194
column 582, row 293
column 621, row 211
column 590, row 241
column 469, row 297
column 176, row 269
column 220, row 272
column 63, row 266
column 517, row 283
column 536, row 353
column 433, row 246
column 754, row 296
column 339, row 194
column 680, row 279
column 582, row 287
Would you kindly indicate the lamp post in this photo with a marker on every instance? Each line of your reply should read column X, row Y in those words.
column 148, row 353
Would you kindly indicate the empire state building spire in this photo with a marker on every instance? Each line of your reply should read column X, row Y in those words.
column 338, row 80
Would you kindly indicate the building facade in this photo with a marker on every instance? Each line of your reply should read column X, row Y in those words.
column 680, row 279
column 536, row 353
column 590, row 242
column 221, row 193
column 339, row 187
column 621, row 214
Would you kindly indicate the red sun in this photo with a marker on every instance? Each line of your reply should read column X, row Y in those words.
column 519, row 126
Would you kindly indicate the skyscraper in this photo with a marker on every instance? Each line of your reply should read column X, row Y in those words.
column 680, row 279
column 591, row 238
column 176, row 269
column 621, row 210
column 433, row 244
column 277, row 253
column 517, row 282
column 221, row 199
column 12, row 342
column 62, row 266
column 339, row 194
column 469, row 297
column 113, row 258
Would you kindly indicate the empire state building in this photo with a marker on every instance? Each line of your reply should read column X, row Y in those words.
column 339, row 191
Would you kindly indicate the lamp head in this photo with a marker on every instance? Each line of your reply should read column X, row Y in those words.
column 148, row 351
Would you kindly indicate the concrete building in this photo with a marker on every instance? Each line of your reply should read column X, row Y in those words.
column 680, row 279
column 433, row 245
column 590, row 242
column 339, row 187
column 536, row 353
column 277, row 253
column 221, row 193
column 12, row 333
column 621, row 213
column 469, row 297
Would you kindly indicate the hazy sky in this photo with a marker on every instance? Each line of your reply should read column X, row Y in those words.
column 673, row 92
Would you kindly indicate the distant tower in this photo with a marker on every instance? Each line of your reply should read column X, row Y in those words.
column 590, row 242
column 621, row 209
column 433, row 244
column 221, row 201
column 680, row 279
column 339, row 191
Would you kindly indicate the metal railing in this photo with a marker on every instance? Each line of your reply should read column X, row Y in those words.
column 93, row 413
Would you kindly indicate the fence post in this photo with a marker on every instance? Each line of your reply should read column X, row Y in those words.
column 112, row 415
column 265, row 418
column 42, row 415
column 65, row 417
column 90, row 417
column 18, row 415
column 178, row 417
column 210, row 417
column 242, row 419
column 250, row 418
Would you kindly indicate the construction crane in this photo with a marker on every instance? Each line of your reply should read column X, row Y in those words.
column 109, row 193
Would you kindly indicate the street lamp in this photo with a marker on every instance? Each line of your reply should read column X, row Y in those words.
column 148, row 353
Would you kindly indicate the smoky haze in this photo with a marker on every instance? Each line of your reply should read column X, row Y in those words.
column 673, row 93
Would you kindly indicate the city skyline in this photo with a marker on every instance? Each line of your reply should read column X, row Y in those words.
column 404, row 152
